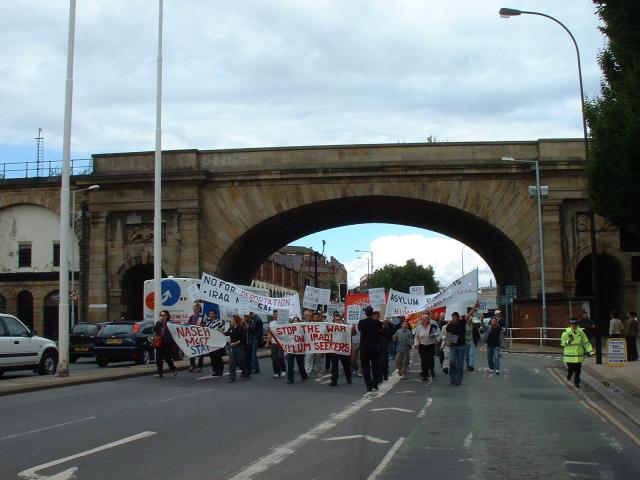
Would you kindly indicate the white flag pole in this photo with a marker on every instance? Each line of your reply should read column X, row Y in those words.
column 157, row 197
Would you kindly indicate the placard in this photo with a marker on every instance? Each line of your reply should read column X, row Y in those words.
column 196, row 340
column 616, row 352
column 377, row 296
column 313, row 337
column 316, row 296
column 416, row 290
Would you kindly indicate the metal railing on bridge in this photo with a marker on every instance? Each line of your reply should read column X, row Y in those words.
column 46, row 168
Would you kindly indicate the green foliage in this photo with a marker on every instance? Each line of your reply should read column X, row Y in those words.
column 614, row 118
column 402, row 277
column 333, row 286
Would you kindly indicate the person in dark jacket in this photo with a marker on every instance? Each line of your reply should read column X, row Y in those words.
column 370, row 331
column 256, row 332
column 237, row 340
column 217, row 364
column 165, row 351
column 299, row 359
column 386, row 337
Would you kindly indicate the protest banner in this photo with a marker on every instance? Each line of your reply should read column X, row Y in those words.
column 313, row 337
column 403, row 304
column 460, row 292
column 316, row 296
column 416, row 290
column 377, row 296
column 216, row 290
column 195, row 340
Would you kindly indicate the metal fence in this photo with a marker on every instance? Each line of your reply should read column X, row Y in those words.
column 47, row 168
column 540, row 338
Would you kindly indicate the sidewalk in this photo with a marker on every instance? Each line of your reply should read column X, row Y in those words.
column 107, row 374
column 620, row 386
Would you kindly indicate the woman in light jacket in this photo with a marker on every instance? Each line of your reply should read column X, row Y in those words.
column 426, row 336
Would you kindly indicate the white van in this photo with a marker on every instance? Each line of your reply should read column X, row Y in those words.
column 21, row 349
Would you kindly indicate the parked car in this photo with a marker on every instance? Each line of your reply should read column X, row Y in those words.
column 82, row 340
column 22, row 349
column 124, row 341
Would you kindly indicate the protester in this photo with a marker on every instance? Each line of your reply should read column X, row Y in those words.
column 616, row 328
column 164, row 352
column 441, row 347
column 576, row 345
column 471, row 339
column 334, row 358
column 370, row 329
column 426, row 337
column 196, row 319
column 256, row 333
column 386, row 337
column 277, row 355
column 299, row 359
column 217, row 365
column 494, row 338
column 497, row 314
column 404, row 342
column 246, row 370
column 237, row 341
column 631, row 334
column 313, row 361
column 456, row 331
column 356, row 364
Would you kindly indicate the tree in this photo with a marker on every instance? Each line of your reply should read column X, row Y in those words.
column 332, row 285
column 614, row 118
column 402, row 277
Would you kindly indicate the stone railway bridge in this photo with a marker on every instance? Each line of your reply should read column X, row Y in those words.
column 225, row 211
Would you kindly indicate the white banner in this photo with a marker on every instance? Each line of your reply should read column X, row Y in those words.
column 216, row 290
column 416, row 290
column 461, row 292
column 196, row 340
column 316, row 296
column 403, row 304
column 313, row 337
column 376, row 296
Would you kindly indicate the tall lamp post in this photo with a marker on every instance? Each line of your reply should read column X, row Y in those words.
column 540, row 236
column 73, row 249
column 512, row 12
column 370, row 253
column 462, row 259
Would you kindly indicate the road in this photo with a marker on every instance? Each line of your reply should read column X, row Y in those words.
column 525, row 423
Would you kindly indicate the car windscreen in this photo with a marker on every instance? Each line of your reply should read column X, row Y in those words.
column 117, row 329
column 86, row 329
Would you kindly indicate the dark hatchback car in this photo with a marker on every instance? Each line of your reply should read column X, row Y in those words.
column 124, row 341
column 82, row 340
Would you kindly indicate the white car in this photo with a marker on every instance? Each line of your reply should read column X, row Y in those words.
column 21, row 349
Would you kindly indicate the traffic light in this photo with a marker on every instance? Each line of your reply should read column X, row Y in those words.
column 343, row 292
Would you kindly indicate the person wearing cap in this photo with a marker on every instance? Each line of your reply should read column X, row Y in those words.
column 576, row 345
column 370, row 330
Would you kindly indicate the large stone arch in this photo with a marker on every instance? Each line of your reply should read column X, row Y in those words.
column 35, row 197
column 505, row 258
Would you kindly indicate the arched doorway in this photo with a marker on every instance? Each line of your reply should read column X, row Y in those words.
column 610, row 277
column 25, row 308
column 50, row 314
column 133, row 289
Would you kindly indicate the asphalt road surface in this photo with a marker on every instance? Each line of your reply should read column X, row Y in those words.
column 525, row 423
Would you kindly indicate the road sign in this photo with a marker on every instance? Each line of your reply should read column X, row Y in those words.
column 73, row 295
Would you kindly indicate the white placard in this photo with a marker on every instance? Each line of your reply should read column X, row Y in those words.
column 194, row 292
column 416, row 290
column 196, row 340
column 376, row 296
column 282, row 316
column 316, row 296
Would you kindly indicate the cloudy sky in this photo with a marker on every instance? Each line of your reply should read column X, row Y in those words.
column 249, row 73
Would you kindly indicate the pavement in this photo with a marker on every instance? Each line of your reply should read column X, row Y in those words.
column 9, row 386
column 619, row 386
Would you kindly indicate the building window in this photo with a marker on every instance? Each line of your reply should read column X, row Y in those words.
column 56, row 254
column 24, row 255
column 25, row 308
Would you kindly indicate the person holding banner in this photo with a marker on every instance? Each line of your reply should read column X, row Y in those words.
column 299, row 359
column 277, row 355
column 237, row 340
column 427, row 334
column 196, row 319
column 164, row 347
column 336, row 357
column 456, row 332
column 217, row 364
column 313, row 361
column 370, row 329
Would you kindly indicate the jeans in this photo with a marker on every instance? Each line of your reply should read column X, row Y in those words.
column 470, row 354
column 276, row 359
column 392, row 350
column 456, row 364
column 236, row 359
column 427, row 353
column 255, row 343
column 493, row 357
column 299, row 359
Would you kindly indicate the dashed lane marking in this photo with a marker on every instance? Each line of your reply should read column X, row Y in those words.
column 427, row 404
column 44, row 429
column 387, row 458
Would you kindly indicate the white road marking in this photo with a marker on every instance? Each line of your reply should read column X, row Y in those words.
column 30, row 474
column 180, row 397
column 387, row 458
column 467, row 441
column 44, row 429
column 569, row 462
column 613, row 442
column 392, row 408
column 279, row 453
column 535, row 370
column 323, row 377
column 427, row 404
column 351, row 437
column 209, row 377
column 406, row 391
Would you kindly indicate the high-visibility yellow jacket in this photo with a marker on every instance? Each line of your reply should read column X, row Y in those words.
column 576, row 344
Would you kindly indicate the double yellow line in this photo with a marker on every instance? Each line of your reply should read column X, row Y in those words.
column 599, row 411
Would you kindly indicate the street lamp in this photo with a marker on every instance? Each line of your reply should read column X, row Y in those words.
column 368, row 265
column 512, row 12
column 462, row 259
column 370, row 253
column 74, row 300
column 538, row 193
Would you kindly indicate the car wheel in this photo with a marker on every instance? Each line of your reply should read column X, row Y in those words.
column 73, row 358
column 48, row 364
column 102, row 362
column 146, row 357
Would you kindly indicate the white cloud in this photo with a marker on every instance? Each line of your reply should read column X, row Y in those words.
column 443, row 254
